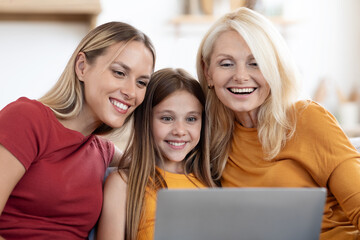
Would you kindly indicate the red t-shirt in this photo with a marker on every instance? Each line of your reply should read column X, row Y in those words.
column 60, row 195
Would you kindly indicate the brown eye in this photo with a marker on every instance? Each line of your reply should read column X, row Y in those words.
column 166, row 118
column 142, row 83
column 119, row 73
column 226, row 63
column 253, row 64
column 191, row 119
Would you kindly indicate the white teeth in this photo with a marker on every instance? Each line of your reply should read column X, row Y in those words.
column 177, row 144
column 242, row 90
column 119, row 104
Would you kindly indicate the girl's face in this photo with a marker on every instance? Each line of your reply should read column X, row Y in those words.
column 236, row 77
column 177, row 128
column 114, row 87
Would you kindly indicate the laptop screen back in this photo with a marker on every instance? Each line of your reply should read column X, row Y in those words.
column 240, row 213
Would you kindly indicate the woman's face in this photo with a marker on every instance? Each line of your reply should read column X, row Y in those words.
column 236, row 77
column 114, row 85
column 177, row 128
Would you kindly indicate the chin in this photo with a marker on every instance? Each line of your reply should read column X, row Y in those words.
column 176, row 159
column 117, row 124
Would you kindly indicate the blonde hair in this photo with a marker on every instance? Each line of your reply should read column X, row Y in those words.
column 143, row 155
column 66, row 97
column 276, row 117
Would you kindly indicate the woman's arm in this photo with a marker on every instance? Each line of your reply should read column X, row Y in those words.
column 344, row 183
column 113, row 216
column 11, row 171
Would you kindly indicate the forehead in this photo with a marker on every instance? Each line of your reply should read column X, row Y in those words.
column 229, row 44
column 125, row 48
column 180, row 100
column 130, row 53
column 228, row 40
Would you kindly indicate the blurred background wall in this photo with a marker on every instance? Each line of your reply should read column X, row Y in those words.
column 323, row 35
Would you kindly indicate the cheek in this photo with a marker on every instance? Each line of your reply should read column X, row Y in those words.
column 220, row 94
column 220, row 76
column 196, row 133
column 91, row 91
column 157, row 131
column 266, row 90
column 140, row 97
column 216, row 78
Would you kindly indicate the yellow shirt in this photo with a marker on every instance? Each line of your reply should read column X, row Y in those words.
column 173, row 181
column 307, row 160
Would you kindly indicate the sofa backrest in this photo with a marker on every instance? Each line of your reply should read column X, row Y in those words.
column 356, row 142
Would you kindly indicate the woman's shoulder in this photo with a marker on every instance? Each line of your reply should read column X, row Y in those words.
column 106, row 147
column 25, row 105
column 310, row 108
column 26, row 114
column 314, row 117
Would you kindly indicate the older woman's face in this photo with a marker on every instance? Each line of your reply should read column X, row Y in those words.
column 236, row 77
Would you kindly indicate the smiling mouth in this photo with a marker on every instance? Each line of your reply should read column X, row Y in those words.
column 242, row 91
column 119, row 104
column 176, row 144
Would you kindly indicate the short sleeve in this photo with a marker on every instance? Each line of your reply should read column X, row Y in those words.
column 106, row 148
column 21, row 129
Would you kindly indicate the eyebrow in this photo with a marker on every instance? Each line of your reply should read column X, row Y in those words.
column 123, row 65
column 224, row 55
column 195, row 112
column 251, row 56
column 172, row 112
column 128, row 69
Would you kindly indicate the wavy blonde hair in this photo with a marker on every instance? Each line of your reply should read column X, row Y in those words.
column 276, row 117
column 143, row 155
column 66, row 98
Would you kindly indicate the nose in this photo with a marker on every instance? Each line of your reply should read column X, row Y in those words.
column 241, row 74
column 179, row 128
column 128, row 89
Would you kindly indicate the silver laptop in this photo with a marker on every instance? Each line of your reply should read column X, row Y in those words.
column 239, row 213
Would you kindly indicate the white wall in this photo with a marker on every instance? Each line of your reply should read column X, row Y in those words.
column 325, row 43
column 33, row 55
column 328, row 47
column 174, row 48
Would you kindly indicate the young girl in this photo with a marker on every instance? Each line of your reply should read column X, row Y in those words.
column 167, row 150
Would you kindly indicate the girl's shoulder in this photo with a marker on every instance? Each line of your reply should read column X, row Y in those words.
column 115, row 186
column 116, row 177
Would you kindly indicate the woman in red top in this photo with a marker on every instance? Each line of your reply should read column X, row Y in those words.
column 52, row 161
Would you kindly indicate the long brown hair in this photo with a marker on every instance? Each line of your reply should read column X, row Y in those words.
column 142, row 154
column 67, row 96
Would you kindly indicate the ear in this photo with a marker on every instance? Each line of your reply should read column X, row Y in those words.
column 207, row 74
column 80, row 64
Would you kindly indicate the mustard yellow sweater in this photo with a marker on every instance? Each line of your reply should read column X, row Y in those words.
column 318, row 155
column 173, row 181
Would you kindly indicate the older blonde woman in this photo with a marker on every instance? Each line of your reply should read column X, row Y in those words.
column 261, row 136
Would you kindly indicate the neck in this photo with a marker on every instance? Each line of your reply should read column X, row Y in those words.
column 84, row 123
column 247, row 119
column 174, row 167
